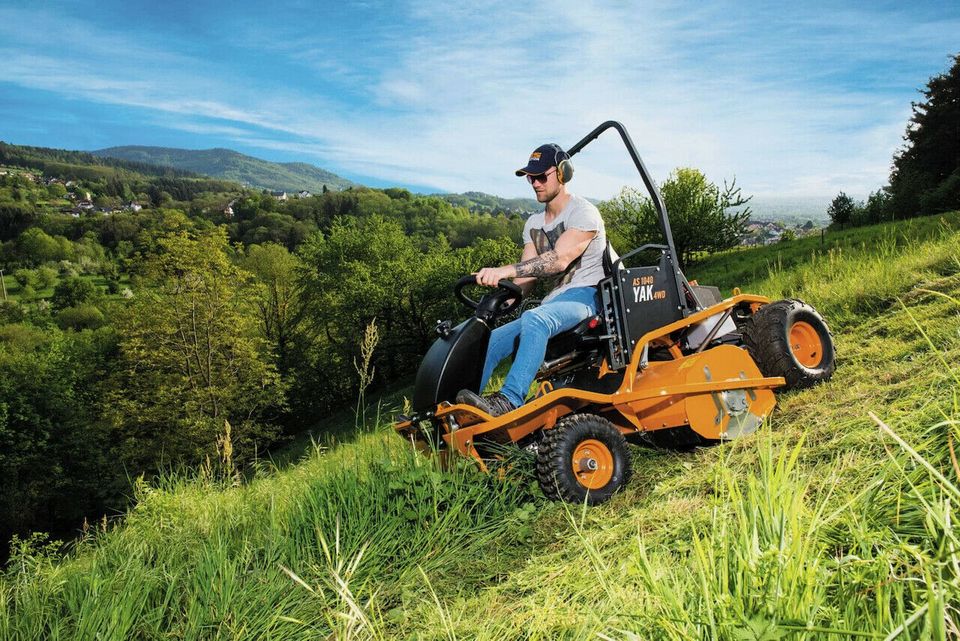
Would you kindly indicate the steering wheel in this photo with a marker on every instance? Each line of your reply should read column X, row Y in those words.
column 492, row 303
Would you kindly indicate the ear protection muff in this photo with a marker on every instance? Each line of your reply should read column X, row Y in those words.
column 565, row 171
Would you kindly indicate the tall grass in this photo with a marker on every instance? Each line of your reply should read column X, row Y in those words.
column 807, row 264
column 198, row 560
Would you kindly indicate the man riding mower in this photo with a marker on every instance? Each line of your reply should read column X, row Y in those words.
column 618, row 352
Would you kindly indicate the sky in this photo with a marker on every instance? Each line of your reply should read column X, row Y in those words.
column 791, row 101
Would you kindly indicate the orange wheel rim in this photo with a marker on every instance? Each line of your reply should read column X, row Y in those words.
column 805, row 344
column 592, row 464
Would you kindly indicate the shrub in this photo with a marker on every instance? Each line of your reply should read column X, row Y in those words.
column 945, row 197
column 46, row 277
column 842, row 209
column 25, row 278
column 71, row 292
column 28, row 294
column 80, row 317
column 67, row 269
column 11, row 312
column 24, row 338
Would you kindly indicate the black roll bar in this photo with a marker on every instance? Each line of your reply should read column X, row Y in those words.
column 658, row 204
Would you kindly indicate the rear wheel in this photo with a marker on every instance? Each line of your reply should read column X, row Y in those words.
column 789, row 338
column 583, row 458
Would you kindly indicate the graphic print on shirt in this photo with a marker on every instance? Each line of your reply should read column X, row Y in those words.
column 544, row 241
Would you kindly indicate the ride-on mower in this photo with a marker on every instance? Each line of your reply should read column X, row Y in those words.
column 665, row 361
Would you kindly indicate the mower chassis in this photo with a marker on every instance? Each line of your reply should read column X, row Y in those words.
column 718, row 392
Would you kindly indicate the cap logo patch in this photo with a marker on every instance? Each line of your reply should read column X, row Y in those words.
column 535, row 155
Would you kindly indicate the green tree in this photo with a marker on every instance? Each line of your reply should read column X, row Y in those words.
column 72, row 291
column 56, row 190
column 931, row 153
column 46, row 277
column 80, row 317
column 56, row 457
column 190, row 357
column 277, row 298
column 11, row 312
column 26, row 278
column 368, row 268
column 36, row 247
column 877, row 208
column 703, row 217
column 842, row 209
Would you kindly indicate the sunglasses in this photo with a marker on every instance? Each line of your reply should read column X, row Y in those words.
column 539, row 178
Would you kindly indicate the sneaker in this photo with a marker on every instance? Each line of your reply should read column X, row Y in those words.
column 495, row 404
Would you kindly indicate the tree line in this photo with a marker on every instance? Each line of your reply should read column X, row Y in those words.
column 925, row 174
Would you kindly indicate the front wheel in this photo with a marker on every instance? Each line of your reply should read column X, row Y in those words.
column 789, row 338
column 584, row 458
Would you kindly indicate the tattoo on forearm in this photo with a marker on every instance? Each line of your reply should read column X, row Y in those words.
column 545, row 264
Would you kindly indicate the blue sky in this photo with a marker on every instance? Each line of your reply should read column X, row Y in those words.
column 441, row 96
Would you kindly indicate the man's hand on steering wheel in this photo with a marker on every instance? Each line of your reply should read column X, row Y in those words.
column 490, row 276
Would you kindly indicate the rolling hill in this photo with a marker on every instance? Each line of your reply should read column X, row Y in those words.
column 232, row 165
column 479, row 202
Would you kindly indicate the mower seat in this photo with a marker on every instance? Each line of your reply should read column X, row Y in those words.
column 572, row 339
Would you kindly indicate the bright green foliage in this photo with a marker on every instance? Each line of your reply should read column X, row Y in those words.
column 80, row 317
column 277, row 298
column 46, row 277
column 57, row 190
column 55, row 463
column 36, row 247
column 361, row 526
column 190, row 357
column 699, row 211
column 867, row 263
column 25, row 278
column 841, row 210
column 369, row 268
column 73, row 291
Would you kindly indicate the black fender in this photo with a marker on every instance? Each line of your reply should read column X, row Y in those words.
column 454, row 362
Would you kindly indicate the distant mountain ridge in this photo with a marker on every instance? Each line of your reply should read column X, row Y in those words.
column 479, row 202
column 232, row 165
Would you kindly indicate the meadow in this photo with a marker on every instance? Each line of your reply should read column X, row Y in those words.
column 834, row 521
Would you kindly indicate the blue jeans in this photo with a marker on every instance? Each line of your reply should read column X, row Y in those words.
column 532, row 330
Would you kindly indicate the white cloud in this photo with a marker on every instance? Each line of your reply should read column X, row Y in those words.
column 782, row 103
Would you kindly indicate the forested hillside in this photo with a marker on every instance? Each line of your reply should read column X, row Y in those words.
column 112, row 274
column 485, row 203
column 231, row 165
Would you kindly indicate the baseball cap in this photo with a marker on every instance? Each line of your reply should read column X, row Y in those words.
column 543, row 158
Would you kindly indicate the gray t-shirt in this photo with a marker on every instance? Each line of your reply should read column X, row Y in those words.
column 579, row 213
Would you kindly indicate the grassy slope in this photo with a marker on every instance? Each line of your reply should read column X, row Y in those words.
column 820, row 526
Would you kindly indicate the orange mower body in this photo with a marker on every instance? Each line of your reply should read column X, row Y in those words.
column 718, row 393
